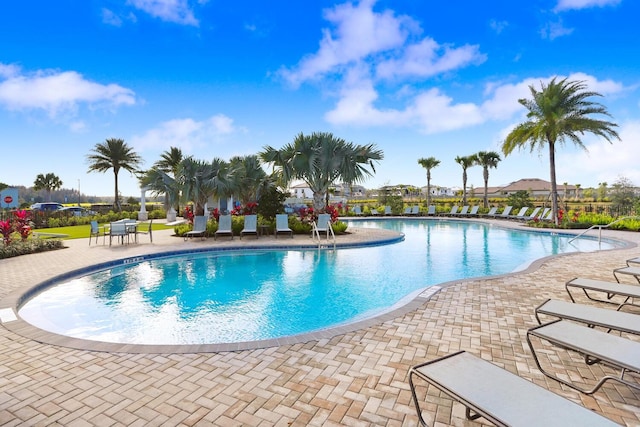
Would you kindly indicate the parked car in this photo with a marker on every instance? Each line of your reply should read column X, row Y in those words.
column 46, row 207
column 77, row 210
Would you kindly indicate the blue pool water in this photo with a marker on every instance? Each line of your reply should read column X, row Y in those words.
column 224, row 297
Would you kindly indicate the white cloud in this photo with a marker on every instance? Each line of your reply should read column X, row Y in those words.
column 553, row 30
column 427, row 58
column 498, row 26
column 359, row 33
column 604, row 162
column 433, row 111
column 188, row 134
column 57, row 92
column 177, row 11
column 583, row 4
column 110, row 18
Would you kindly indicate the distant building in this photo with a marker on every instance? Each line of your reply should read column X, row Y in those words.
column 534, row 186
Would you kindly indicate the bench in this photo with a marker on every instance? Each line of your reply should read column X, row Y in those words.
column 611, row 289
column 631, row 271
column 499, row 396
column 596, row 346
column 592, row 316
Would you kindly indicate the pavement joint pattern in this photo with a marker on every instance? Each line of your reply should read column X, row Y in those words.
column 358, row 378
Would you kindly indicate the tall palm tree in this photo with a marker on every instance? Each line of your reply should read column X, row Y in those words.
column 466, row 162
column 487, row 159
column 559, row 111
column 250, row 178
column 49, row 182
column 114, row 154
column 319, row 160
column 169, row 163
column 428, row 163
column 200, row 180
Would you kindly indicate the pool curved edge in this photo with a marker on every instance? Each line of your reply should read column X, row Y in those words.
column 15, row 299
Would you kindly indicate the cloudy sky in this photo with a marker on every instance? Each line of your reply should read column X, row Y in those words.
column 218, row 79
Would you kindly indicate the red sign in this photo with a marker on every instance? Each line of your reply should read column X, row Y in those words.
column 8, row 199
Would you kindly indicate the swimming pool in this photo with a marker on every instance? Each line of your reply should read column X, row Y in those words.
column 239, row 296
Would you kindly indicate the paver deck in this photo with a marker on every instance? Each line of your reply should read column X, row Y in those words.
column 357, row 378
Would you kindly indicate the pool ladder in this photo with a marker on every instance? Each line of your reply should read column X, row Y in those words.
column 315, row 233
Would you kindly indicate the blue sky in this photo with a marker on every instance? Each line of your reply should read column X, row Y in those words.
column 218, row 79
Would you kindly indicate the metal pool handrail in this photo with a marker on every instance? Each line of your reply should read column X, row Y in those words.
column 600, row 227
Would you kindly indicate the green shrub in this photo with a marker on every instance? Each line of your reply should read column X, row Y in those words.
column 29, row 246
column 298, row 226
column 339, row 227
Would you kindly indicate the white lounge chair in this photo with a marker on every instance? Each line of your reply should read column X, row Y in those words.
column 407, row 211
column 596, row 346
column 474, row 210
column 323, row 224
column 454, row 210
column 374, row 211
column 387, row 210
column 505, row 213
column 415, row 210
column 224, row 227
column 250, row 225
column 282, row 225
column 629, row 271
column 532, row 215
column 590, row 315
column 464, row 211
column 357, row 210
column 199, row 228
column 520, row 214
column 610, row 289
column 432, row 210
column 499, row 396
column 492, row 212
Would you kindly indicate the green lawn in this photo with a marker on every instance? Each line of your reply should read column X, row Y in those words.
column 81, row 231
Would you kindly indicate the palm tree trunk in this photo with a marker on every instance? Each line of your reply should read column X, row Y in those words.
column 116, row 201
column 554, row 187
column 485, row 175
column 428, row 189
column 464, row 188
column 318, row 201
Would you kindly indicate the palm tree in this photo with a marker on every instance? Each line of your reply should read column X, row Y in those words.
column 250, row 178
column 49, row 182
column 466, row 162
column 319, row 160
column 169, row 163
column 114, row 154
column 559, row 111
column 487, row 159
column 428, row 163
column 200, row 180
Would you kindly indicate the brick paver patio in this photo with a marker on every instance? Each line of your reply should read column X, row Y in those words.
column 358, row 378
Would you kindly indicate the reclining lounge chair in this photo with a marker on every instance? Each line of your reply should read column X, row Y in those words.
column 498, row 395
column 282, row 225
column 199, row 228
column 224, row 227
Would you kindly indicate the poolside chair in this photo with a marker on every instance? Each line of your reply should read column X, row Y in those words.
column 357, row 210
column 497, row 395
column 118, row 230
column 474, row 210
column 532, row 215
column 387, row 210
column 454, row 210
column 224, row 227
column 407, row 211
column 323, row 224
column 96, row 230
column 250, row 225
column 199, row 228
column 374, row 211
column 520, row 214
column 432, row 210
column 544, row 213
column 590, row 315
column 463, row 211
column 492, row 212
column 594, row 345
column 505, row 213
column 282, row 225
column 415, row 210
column 610, row 289
column 147, row 230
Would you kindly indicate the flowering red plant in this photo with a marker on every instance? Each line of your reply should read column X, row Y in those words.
column 333, row 211
column 215, row 214
column 188, row 213
column 22, row 223
column 307, row 215
column 560, row 215
column 6, row 229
